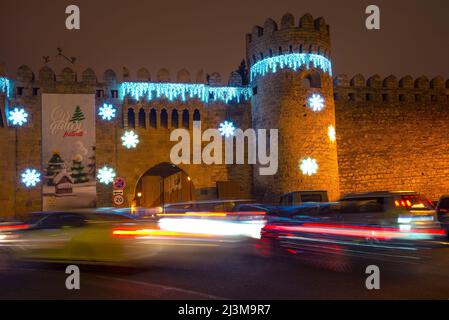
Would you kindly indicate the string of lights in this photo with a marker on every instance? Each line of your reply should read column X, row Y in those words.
column 5, row 85
column 292, row 61
column 184, row 91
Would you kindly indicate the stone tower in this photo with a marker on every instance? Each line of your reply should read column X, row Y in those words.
column 291, row 79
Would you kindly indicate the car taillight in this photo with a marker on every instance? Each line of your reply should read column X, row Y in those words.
column 14, row 227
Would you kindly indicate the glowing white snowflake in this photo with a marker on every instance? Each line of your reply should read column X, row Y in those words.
column 18, row 117
column 130, row 139
column 309, row 166
column 332, row 133
column 106, row 175
column 31, row 178
column 107, row 112
column 316, row 103
column 227, row 129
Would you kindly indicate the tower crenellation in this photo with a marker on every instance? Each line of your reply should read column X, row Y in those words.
column 304, row 36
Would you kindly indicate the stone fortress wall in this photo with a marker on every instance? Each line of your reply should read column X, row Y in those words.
column 391, row 133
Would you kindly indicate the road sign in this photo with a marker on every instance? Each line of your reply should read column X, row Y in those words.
column 118, row 192
column 118, row 200
column 119, row 183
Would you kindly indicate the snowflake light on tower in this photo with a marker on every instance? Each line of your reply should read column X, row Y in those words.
column 106, row 175
column 227, row 129
column 130, row 139
column 107, row 112
column 316, row 102
column 30, row 178
column 308, row 166
column 332, row 133
column 18, row 117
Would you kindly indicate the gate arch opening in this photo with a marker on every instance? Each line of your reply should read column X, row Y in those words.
column 162, row 184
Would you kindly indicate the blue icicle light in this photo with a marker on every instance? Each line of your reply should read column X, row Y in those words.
column 292, row 61
column 184, row 91
column 5, row 85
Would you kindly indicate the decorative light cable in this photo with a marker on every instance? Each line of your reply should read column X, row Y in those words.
column 5, row 85
column 292, row 61
column 184, row 91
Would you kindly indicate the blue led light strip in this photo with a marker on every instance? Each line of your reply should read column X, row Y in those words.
column 292, row 61
column 5, row 85
column 184, row 91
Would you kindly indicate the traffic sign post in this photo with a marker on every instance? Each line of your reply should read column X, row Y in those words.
column 118, row 195
column 119, row 184
column 118, row 200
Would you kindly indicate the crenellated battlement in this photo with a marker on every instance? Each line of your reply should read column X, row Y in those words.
column 308, row 35
column 391, row 89
column 46, row 75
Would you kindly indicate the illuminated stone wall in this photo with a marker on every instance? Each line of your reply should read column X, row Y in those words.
column 154, row 148
column 393, row 134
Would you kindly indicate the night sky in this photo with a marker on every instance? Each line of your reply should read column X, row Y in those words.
column 210, row 35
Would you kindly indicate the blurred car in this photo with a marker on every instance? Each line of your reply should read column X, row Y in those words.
column 442, row 209
column 300, row 197
column 81, row 236
column 204, row 206
column 113, row 237
column 403, row 208
column 375, row 220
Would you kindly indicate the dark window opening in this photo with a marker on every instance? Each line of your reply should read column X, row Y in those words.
column 385, row 97
column 369, row 97
column 114, row 94
column 1, row 119
column 336, row 97
column 352, row 97
column 254, row 91
column 142, row 122
column 131, row 118
column 20, row 91
column 153, row 118
column 175, row 119
column 164, row 119
column 197, row 115
column 35, row 92
column 418, row 98
column 402, row 97
column 100, row 93
column 185, row 119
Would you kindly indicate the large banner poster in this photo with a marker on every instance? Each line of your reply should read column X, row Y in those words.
column 68, row 151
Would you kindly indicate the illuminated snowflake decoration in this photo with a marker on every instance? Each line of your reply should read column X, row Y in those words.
column 316, row 103
column 107, row 112
column 308, row 166
column 31, row 177
column 106, row 175
column 18, row 117
column 130, row 139
column 332, row 133
column 227, row 129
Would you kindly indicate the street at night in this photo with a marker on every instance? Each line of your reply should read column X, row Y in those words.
column 236, row 276
column 208, row 151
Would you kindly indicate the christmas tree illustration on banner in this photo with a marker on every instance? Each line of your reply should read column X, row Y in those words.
column 55, row 166
column 92, row 171
column 78, row 174
column 78, row 116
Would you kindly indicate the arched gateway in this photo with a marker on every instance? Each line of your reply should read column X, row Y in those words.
column 164, row 183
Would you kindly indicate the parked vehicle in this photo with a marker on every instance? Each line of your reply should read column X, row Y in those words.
column 375, row 220
column 443, row 212
column 299, row 197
